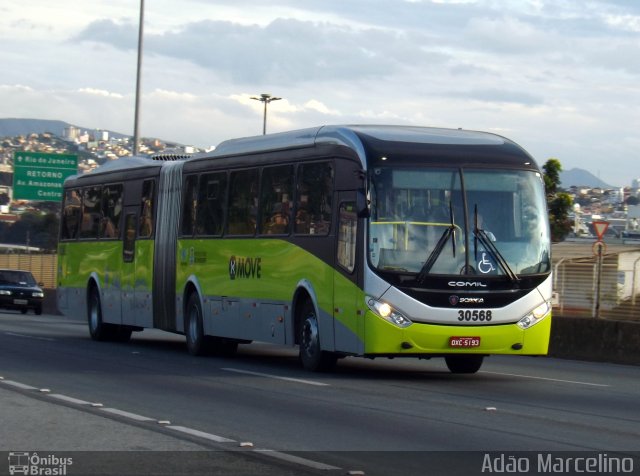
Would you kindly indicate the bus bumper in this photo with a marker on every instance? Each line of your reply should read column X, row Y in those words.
column 384, row 338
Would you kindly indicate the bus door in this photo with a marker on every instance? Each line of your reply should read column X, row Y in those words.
column 348, row 321
column 137, row 266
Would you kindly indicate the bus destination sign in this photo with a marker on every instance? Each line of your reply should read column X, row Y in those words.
column 39, row 176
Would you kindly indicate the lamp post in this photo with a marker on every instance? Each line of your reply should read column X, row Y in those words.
column 266, row 99
column 136, row 138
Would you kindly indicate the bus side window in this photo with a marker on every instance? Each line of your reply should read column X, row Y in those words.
column 145, row 229
column 275, row 200
column 314, row 198
column 243, row 202
column 211, row 203
column 72, row 214
column 111, row 211
column 91, row 212
column 189, row 205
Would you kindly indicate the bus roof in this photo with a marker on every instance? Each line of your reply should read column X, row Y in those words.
column 119, row 165
column 349, row 135
column 372, row 141
column 378, row 139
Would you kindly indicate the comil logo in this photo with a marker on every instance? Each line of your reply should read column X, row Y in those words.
column 466, row 284
column 244, row 267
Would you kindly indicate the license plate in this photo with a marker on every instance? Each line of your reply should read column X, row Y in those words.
column 464, row 342
column 22, row 302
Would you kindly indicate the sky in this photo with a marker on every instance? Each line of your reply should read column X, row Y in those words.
column 561, row 78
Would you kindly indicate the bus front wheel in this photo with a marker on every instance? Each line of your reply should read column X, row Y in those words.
column 464, row 364
column 312, row 356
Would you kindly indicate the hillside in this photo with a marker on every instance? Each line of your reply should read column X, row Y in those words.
column 12, row 127
column 581, row 178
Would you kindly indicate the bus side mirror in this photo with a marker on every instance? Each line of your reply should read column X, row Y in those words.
column 362, row 205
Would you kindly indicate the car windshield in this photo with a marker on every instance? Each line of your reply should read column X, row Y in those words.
column 23, row 278
column 458, row 221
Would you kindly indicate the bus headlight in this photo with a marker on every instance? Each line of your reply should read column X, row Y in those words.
column 535, row 316
column 387, row 312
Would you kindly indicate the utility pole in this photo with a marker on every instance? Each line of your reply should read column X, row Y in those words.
column 266, row 99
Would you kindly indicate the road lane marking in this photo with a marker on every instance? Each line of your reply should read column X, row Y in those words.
column 190, row 431
column 278, row 377
column 132, row 416
column 65, row 398
column 200, row 434
column 18, row 385
column 29, row 337
column 296, row 459
column 547, row 378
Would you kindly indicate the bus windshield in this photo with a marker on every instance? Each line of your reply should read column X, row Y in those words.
column 487, row 222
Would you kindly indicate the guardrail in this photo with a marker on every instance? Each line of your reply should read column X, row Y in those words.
column 606, row 287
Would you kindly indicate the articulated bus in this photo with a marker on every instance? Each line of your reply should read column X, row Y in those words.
column 373, row 241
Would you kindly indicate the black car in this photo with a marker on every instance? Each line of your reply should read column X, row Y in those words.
column 19, row 290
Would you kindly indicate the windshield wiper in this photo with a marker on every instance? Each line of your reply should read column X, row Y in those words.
column 450, row 231
column 480, row 234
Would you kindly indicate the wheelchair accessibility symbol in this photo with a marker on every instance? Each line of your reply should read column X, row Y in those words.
column 485, row 265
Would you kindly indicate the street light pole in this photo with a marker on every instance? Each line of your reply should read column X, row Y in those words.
column 136, row 139
column 266, row 99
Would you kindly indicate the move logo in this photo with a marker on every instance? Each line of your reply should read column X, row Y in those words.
column 245, row 267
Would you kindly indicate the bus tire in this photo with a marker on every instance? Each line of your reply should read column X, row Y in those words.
column 464, row 364
column 197, row 343
column 311, row 355
column 98, row 330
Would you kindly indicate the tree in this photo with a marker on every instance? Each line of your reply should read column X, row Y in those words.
column 38, row 230
column 559, row 203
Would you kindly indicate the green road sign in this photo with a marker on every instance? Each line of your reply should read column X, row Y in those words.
column 39, row 176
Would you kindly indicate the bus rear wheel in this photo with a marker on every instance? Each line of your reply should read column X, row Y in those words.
column 194, row 329
column 311, row 354
column 97, row 329
column 464, row 364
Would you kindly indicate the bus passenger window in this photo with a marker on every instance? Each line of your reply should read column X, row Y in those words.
column 314, row 199
column 91, row 212
column 210, row 204
column 243, row 201
column 71, row 215
column 189, row 205
column 111, row 211
column 146, row 209
column 275, row 200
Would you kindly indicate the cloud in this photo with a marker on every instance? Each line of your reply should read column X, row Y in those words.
column 285, row 51
column 121, row 34
column 500, row 96
column 100, row 92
